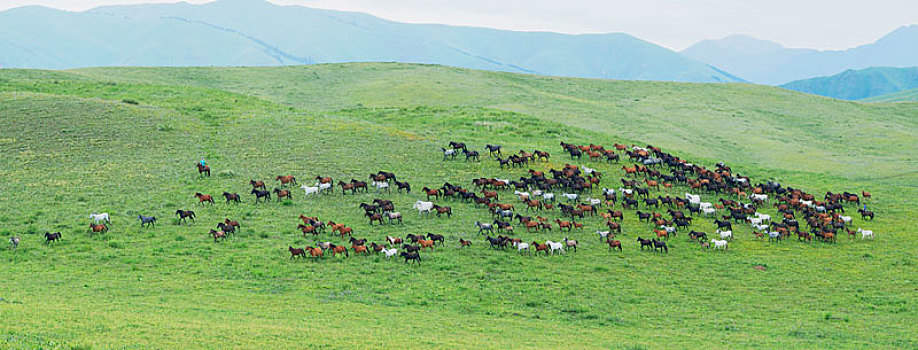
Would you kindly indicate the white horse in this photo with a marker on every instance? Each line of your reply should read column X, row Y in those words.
column 865, row 233
column 725, row 234
column 548, row 197
column 423, row 207
column 555, row 246
column 807, row 203
column 719, row 244
column 310, row 190
column 570, row 196
column 522, row 195
column 603, row 234
column 381, row 185
column 668, row 229
column 764, row 217
column 693, row 198
column 326, row 188
column 14, row 242
column 390, row 252
column 761, row 197
column 709, row 211
column 520, row 247
column 774, row 235
column 97, row 218
column 594, row 201
column 761, row 228
column 704, row 205
column 845, row 219
column 608, row 191
column 588, row 171
column 755, row 221
column 448, row 153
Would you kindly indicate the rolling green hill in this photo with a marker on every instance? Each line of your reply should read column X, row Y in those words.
column 901, row 96
column 859, row 84
column 124, row 141
column 259, row 33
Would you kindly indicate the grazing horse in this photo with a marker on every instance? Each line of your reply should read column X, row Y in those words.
column 203, row 169
column 283, row 194
column 204, row 198
column 185, row 214
column 14, row 242
column 257, row 184
column 296, row 252
column 261, row 194
column 49, row 237
column 97, row 218
column 285, row 180
column 415, row 256
column 147, row 220
column 232, row 197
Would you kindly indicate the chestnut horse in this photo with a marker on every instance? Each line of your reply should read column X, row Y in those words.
column 202, row 198
column 285, row 180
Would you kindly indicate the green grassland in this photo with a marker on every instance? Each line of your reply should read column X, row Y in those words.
column 124, row 140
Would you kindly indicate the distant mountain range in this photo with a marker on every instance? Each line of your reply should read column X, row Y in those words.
column 259, row 33
column 901, row 96
column 859, row 84
column 766, row 62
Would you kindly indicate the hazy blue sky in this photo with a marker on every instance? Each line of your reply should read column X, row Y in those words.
column 821, row 24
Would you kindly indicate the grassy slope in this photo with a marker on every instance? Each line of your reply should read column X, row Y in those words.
column 74, row 148
column 901, row 96
column 754, row 125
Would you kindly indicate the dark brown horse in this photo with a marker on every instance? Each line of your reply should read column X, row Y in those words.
column 203, row 169
column 286, row 180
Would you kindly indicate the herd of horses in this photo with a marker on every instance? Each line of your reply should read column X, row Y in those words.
column 568, row 198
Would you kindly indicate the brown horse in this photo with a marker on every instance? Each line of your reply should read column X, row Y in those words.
column 539, row 247
column 464, row 243
column 324, row 180
column 346, row 186
column 296, row 252
column 564, row 224
column 218, row 234
column 316, row 252
column 360, row 249
column 257, row 184
column 308, row 229
column 283, row 193
column 614, row 244
column 426, row 243
column 203, row 169
column 203, row 198
column 100, row 228
column 339, row 250
column 286, row 180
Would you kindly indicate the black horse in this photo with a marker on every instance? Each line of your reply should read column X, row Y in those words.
column 227, row 228
column 660, row 245
column 436, row 238
column 51, row 237
column 645, row 243
column 411, row 256
column 147, row 220
column 492, row 149
column 261, row 194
